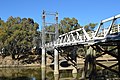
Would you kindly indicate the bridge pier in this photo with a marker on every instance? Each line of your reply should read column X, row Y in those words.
column 74, row 52
column 89, row 69
column 56, row 62
column 93, row 64
column 43, row 58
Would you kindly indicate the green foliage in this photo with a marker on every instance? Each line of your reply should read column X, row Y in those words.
column 90, row 26
column 16, row 35
column 68, row 24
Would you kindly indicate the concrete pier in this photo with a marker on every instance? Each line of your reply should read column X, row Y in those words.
column 56, row 62
column 43, row 58
column 90, row 64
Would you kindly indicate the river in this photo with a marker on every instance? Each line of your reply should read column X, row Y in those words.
column 36, row 73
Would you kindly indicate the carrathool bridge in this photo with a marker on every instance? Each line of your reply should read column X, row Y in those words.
column 105, row 40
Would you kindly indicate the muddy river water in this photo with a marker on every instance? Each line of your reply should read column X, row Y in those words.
column 36, row 73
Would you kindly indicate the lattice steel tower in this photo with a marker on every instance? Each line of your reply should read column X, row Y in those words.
column 45, row 32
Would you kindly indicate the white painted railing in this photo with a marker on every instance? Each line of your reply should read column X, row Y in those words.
column 111, row 29
column 79, row 36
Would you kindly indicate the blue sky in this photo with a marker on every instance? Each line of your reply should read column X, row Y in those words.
column 85, row 11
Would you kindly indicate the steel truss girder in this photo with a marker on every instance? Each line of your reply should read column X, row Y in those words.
column 75, row 37
column 79, row 36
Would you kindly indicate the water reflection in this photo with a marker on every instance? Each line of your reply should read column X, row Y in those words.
column 37, row 73
column 56, row 77
column 20, row 74
column 43, row 73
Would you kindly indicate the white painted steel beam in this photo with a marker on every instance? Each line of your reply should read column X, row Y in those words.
column 111, row 18
column 109, row 28
column 98, row 29
column 87, row 36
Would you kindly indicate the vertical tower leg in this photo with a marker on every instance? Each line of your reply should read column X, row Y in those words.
column 56, row 62
column 43, row 58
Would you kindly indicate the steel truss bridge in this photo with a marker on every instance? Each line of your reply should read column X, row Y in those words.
column 106, row 35
column 80, row 36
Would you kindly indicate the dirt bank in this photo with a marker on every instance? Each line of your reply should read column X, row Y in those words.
column 31, row 60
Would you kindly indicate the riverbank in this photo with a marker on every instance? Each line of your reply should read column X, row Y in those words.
column 26, row 65
column 26, row 61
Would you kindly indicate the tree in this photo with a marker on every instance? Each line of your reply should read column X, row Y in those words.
column 16, row 35
column 90, row 26
column 68, row 24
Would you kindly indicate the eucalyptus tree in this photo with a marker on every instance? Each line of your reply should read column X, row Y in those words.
column 16, row 35
column 90, row 26
column 68, row 24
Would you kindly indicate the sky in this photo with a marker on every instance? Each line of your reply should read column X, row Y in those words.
column 85, row 11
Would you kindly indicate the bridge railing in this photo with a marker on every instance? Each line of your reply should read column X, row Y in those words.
column 79, row 36
column 101, row 33
column 114, row 29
